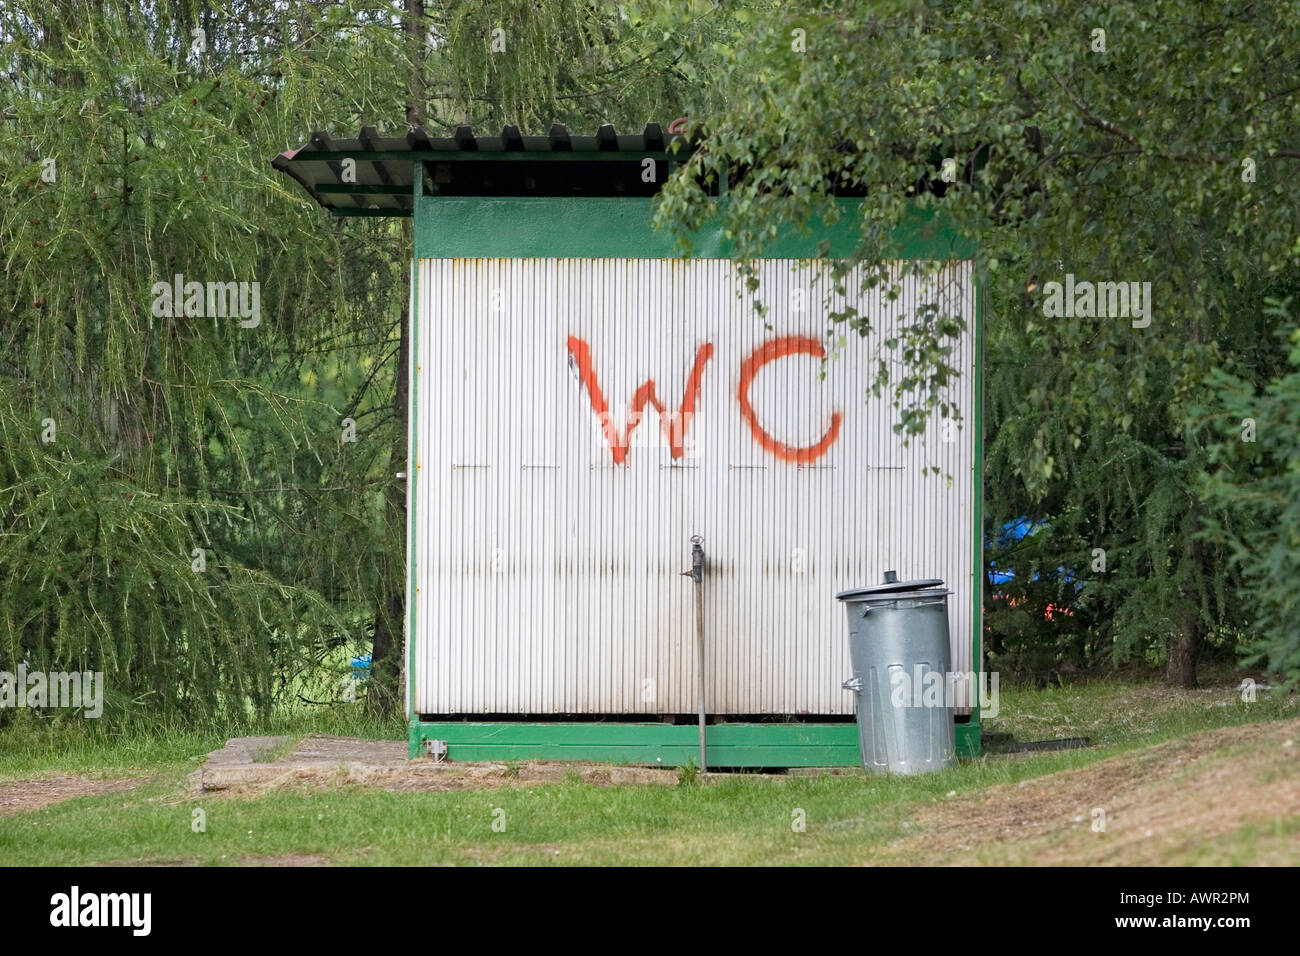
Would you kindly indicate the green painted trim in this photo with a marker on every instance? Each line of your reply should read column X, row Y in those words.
column 657, row 744
column 669, row 745
column 412, row 461
column 977, row 499
column 556, row 227
column 968, row 735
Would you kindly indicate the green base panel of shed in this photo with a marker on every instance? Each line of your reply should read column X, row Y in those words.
column 659, row 744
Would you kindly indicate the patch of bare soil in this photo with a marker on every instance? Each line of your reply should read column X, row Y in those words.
column 284, row 859
column 323, row 761
column 1164, row 805
column 150, row 861
column 23, row 796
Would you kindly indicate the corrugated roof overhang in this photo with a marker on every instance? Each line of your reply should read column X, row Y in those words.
column 381, row 181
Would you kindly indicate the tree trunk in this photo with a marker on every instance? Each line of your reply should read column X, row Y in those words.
column 1185, row 643
column 387, row 663
column 1180, row 670
column 413, row 26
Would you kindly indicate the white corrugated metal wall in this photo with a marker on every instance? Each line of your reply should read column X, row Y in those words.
column 548, row 578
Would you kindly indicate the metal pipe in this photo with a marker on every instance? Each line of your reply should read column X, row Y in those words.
column 696, row 574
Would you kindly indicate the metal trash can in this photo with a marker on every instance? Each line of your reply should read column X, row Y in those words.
column 898, row 635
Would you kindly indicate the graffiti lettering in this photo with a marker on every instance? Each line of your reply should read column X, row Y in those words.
column 674, row 426
column 770, row 352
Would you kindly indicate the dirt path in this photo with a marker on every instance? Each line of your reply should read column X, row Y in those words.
column 1162, row 805
column 22, row 796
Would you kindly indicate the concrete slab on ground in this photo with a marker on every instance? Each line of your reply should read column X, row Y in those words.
column 256, row 763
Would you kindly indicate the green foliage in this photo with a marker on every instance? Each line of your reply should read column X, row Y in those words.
column 98, row 576
column 569, row 61
column 176, row 434
column 1256, row 480
column 688, row 775
column 182, row 433
column 1122, row 165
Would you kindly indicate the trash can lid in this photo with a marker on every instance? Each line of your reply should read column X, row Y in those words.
column 891, row 586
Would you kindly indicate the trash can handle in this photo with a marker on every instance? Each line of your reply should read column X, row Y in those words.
column 854, row 684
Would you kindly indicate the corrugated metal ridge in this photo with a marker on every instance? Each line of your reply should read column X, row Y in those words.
column 382, row 187
column 652, row 138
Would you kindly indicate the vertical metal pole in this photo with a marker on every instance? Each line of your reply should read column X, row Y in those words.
column 697, row 575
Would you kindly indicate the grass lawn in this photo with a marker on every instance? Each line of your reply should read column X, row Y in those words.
column 730, row 819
